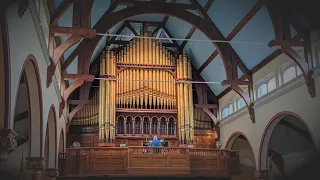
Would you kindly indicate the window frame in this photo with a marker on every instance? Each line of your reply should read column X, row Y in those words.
column 237, row 102
column 287, row 66
column 316, row 62
column 265, row 80
column 227, row 106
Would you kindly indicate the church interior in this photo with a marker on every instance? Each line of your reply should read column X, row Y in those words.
column 229, row 88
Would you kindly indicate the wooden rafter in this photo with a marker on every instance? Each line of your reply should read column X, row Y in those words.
column 60, row 10
column 69, row 31
column 259, row 66
column 108, row 20
column 138, row 3
column 235, row 31
column 193, row 29
column 281, row 19
column 163, row 23
column 131, row 28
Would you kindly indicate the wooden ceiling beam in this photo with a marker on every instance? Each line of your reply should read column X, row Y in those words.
column 60, row 10
column 259, row 66
column 85, row 77
column 69, row 31
column 131, row 28
column 175, row 44
column 108, row 20
column 193, row 29
column 236, row 30
column 149, row 23
column 142, row 3
column 281, row 19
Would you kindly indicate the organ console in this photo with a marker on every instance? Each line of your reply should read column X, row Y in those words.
column 144, row 92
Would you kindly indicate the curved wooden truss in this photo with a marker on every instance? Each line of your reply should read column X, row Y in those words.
column 230, row 58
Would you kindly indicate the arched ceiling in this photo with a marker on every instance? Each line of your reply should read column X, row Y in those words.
column 245, row 20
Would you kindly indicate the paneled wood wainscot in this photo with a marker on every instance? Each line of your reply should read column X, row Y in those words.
column 148, row 160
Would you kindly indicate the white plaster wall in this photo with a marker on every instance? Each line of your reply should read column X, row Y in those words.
column 24, row 40
column 297, row 100
column 23, row 105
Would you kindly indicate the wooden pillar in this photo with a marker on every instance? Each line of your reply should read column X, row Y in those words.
column 158, row 126
column 167, row 127
column 150, row 126
column 133, row 126
column 141, row 125
column 125, row 126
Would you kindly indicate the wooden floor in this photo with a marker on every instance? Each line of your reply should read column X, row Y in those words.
column 145, row 177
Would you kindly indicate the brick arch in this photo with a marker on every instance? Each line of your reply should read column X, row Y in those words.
column 264, row 143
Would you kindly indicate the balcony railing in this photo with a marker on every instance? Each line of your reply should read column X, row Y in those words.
column 148, row 160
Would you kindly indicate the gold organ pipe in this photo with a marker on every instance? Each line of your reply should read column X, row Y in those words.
column 107, row 98
column 186, row 103
column 113, row 110
column 182, row 101
column 130, row 75
column 190, row 102
column 134, row 74
column 100, row 101
column 167, row 89
column 103, row 100
column 150, row 60
column 138, row 72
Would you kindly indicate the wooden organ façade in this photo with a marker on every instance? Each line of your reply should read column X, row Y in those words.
column 144, row 92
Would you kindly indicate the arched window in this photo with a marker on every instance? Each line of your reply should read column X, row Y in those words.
column 120, row 123
column 137, row 125
column 230, row 108
column 154, row 125
column 146, row 125
column 129, row 126
column 241, row 103
column 266, row 85
column 262, row 90
column 271, row 85
column 163, row 126
column 171, row 126
column 289, row 74
column 227, row 110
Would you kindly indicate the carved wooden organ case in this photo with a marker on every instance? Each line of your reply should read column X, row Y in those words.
column 145, row 92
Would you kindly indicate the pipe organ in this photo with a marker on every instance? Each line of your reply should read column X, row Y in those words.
column 143, row 91
column 88, row 115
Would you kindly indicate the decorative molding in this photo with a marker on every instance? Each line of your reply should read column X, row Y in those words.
column 51, row 173
column 38, row 26
column 35, row 165
column 261, row 175
column 7, row 143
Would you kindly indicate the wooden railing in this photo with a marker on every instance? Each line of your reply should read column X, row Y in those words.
column 148, row 160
